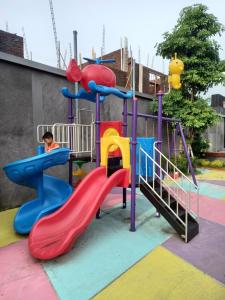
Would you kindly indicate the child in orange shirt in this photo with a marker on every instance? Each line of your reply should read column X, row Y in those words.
column 49, row 142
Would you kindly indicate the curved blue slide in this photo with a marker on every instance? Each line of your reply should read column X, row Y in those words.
column 52, row 192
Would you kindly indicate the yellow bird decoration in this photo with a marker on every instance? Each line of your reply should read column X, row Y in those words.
column 176, row 68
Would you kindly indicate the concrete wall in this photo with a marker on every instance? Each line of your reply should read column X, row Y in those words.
column 29, row 95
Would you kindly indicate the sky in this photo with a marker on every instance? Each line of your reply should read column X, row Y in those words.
column 143, row 22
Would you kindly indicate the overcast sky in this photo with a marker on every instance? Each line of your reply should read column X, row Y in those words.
column 142, row 21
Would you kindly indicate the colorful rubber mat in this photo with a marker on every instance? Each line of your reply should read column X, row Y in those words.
column 110, row 262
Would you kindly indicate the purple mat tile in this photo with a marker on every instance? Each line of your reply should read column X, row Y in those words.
column 206, row 251
column 216, row 182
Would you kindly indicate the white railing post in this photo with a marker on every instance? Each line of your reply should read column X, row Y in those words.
column 139, row 166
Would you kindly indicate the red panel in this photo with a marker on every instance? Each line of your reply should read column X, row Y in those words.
column 118, row 125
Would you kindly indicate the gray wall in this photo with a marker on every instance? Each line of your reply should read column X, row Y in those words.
column 29, row 95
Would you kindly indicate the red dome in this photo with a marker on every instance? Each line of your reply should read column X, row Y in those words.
column 100, row 74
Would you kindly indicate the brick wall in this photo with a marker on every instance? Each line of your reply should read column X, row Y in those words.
column 11, row 43
column 121, row 77
column 114, row 55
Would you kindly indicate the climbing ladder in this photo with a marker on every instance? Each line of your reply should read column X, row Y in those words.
column 173, row 194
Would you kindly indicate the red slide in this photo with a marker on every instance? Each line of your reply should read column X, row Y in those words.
column 55, row 234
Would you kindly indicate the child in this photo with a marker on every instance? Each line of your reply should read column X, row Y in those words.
column 49, row 142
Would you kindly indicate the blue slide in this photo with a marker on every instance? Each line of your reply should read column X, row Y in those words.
column 52, row 192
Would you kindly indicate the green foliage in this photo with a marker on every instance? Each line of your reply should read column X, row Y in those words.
column 212, row 164
column 195, row 114
column 200, row 145
column 203, row 162
column 181, row 162
column 193, row 40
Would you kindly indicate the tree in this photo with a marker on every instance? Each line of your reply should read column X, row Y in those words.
column 192, row 40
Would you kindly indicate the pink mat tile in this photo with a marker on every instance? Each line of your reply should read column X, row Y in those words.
column 114, row 198
column 212, row 209
column 21, row 277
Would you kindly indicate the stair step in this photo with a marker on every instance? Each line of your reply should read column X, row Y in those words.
column 181, row 210
column 193, row 226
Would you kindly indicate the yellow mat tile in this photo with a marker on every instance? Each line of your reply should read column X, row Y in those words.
column 163, row 276
column 7, row 233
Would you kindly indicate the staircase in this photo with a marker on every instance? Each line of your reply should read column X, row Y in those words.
column 169, row 190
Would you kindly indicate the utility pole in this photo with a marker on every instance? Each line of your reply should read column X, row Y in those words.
column 25, row 44
column 70, row 48
column 103, row 41
column 55, row 34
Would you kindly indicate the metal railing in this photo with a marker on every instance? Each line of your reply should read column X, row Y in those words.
column 166, row 176
column 41, row 129
column 78, row 137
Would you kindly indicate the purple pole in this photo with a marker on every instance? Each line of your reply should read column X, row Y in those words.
column 187, row 154
column 70, row 121
column 70, row 111
column 133, row 165
column 97, row 128
column 168, row 141
column 154, row 117
column 159, row 128
column 159, row 134
column 97, row 137
column 125, row 125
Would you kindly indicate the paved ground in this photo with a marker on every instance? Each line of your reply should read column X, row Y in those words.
column 109, row 262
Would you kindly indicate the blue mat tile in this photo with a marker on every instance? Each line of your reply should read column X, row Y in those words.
column 106, row 250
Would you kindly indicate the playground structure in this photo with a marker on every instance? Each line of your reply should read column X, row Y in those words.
column 55, row 234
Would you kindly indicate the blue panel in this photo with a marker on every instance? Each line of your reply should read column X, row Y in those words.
column 146, row 144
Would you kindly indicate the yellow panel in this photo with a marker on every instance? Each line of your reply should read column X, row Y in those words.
column 109, row 132
column 7, row 233
column 122, row 142
column 162, row 275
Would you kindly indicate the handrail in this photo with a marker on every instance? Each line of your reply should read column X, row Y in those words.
column 178, row 192
column 78, row 137
column 155, row 163
column 157, row 150
column 47, row 126
column 153, row 189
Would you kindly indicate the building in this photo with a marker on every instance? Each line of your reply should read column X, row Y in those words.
column 11, row 44
column 216, row 134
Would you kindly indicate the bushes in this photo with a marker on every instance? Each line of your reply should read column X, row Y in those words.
column 217, row 164
column 200, row 145
column 181, row 162
column 212, row 164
